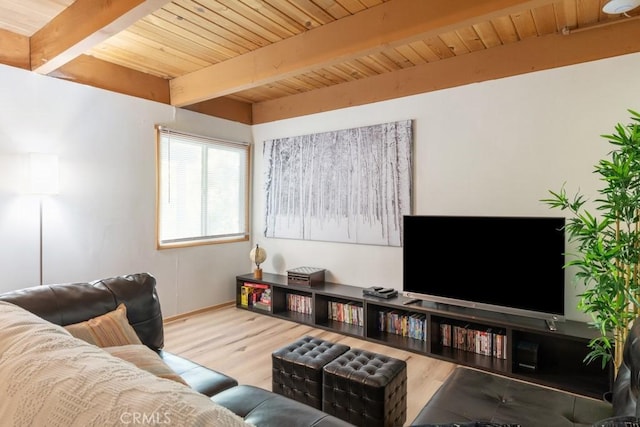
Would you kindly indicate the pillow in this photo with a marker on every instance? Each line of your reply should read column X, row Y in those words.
column 51, row 379
column 108, row 330
column 145, row 358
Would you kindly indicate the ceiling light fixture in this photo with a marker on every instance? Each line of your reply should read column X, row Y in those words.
column 615, row 7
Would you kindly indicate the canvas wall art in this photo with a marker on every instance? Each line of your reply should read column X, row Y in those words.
column 351, row 185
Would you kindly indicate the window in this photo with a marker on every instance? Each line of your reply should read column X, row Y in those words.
column 202, row 189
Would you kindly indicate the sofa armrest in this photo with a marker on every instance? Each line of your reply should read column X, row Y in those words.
column 267, row 409
column 199, row 378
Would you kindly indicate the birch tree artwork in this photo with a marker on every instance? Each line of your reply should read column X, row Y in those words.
column 351, row 186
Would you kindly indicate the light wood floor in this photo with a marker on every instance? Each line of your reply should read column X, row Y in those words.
column 239, row 343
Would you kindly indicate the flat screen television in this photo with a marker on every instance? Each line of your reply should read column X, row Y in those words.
column 511, row 265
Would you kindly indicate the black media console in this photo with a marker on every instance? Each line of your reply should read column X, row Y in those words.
column 510, row 345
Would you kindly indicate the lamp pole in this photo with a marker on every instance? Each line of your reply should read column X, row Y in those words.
column 44, row 180
column 40, row 202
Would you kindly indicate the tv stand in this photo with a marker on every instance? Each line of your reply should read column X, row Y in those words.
column 551, row 324
column 487, row 340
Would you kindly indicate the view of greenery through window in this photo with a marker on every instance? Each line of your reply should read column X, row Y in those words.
column 202, row 189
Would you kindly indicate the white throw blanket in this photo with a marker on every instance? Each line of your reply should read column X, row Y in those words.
column 49, row 378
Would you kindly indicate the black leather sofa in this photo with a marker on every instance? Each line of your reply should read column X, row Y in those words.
column 476, row 398
column 65, row 304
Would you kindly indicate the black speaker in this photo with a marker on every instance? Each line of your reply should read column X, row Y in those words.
column 527, row 355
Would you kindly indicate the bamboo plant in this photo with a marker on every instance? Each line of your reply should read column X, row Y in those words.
column 607, row 245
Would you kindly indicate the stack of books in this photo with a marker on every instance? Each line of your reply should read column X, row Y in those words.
column 255, row 295
column 264, row 303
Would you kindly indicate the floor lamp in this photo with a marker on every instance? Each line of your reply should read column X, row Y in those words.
column 43, row 174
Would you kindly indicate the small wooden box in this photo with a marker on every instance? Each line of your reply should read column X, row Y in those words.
column 305, row 276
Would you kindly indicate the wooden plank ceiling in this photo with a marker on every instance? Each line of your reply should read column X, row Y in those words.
column 256, row 61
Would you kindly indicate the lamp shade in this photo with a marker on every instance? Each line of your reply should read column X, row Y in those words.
column 43, row 173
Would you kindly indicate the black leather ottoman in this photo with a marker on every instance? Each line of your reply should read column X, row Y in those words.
column 297, row 369
column 470, row 395
column 366, row 389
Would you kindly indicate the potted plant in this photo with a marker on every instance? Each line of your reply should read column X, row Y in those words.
column 607, row 244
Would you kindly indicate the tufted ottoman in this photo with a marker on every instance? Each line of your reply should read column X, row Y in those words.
column 366, row 389
column 297, row 369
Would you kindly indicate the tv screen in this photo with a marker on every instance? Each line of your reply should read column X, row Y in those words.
column 511, row 264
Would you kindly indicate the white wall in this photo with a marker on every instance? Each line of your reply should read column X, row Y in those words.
column 493, row 148
column 488, row 148
column 103, row 221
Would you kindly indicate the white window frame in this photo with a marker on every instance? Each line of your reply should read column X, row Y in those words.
column 164, row 137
